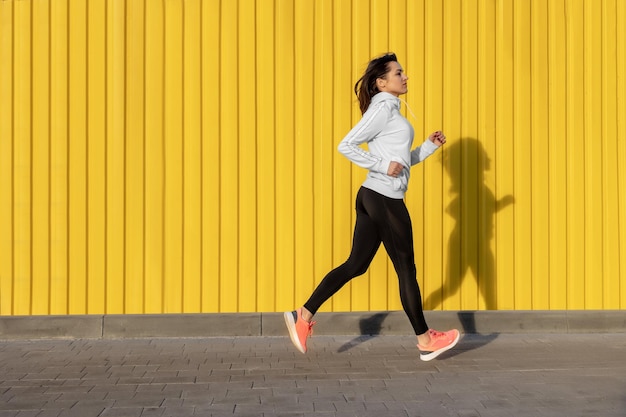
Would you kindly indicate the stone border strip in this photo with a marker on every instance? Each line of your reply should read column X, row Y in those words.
column 272, row 324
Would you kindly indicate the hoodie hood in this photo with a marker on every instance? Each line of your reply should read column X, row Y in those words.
column 384, row 96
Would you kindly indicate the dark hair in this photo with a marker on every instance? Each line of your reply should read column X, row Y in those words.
column 366, row 87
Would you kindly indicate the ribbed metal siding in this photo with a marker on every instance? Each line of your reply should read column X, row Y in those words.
column 180, row 156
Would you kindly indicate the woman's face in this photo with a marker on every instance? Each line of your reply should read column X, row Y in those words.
column 394, row 81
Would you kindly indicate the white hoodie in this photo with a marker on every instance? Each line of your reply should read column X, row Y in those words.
column 389, row 137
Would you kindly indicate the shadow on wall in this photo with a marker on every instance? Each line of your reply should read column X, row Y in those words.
column 473, row 207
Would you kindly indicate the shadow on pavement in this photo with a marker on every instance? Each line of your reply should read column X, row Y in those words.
column 370, row 328
column 471, row 339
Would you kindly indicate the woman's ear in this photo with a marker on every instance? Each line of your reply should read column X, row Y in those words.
column 380, row 83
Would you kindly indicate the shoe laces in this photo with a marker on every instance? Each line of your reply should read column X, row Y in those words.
column 310, row 324
column 436, row 334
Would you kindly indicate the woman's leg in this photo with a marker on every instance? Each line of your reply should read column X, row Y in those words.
column 397, row 235
column 365, row 243
column 394, row 226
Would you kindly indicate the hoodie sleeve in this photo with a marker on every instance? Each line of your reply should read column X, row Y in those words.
column 423, row 151
column 372, row 123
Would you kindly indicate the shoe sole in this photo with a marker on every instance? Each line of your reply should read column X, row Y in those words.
column 432, row 355
column 293, row 333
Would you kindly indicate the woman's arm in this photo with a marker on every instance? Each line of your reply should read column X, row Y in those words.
column 430, row 145
column 365, row 130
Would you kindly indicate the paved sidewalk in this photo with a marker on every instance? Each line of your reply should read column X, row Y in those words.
column 486, row 375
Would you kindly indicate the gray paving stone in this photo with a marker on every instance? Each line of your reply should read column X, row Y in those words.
column 518, row 374
column 121, row 412
column 42, row 413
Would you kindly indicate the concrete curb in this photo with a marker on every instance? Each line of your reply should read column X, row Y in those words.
column 272, row 324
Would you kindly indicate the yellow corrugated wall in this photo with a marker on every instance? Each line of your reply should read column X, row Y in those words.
column 166, row 156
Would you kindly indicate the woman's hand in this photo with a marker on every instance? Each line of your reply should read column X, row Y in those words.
column 395, row 168
column 438, row 138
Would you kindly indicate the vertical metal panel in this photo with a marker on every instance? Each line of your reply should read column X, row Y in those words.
column 40, row 157
column 557, row 154
column 503, row 158
column 485, row 144
column 192, row 157
column 166, row 156
column 539, row 161
column 285, row 161
column 174, row 158
column 22, row 161
column 6, row 158
column 451, row 256
column 228, row 158
column 620, row 37
column 610, row 152
column 211, row 148
column 431, row 184
column 77, row 156
column 134, row 197
column 115, row 157
column 154, row 157
column 592, row 78
column 248, row 144
column 266, row 145
column 520, row 172
column 469, row 220
column 58, row 158
column 304, row 93
column 575, row 147
column 96, row 156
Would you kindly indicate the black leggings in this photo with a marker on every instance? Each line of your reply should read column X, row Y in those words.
column 378, row 219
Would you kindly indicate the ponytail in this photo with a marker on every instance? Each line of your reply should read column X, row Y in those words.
column 365, row 88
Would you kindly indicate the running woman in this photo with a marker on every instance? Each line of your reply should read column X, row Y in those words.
column 382, row 216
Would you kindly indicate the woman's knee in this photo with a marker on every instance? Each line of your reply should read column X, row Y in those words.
column 355, row 269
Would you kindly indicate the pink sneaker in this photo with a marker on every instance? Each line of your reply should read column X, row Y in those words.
column 299, row 329
column 439, row 343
